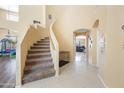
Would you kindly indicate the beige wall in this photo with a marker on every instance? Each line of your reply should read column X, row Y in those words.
column 69, row 19
column 5, row 32
column 114, row 65
column 26, row 16
column 8, row 24
column 111, row 61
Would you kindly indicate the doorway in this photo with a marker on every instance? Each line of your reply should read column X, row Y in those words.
column 100, row 50
column 81, row 48
column 8, row 42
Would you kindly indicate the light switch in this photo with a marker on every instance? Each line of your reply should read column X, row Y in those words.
column 123, row 46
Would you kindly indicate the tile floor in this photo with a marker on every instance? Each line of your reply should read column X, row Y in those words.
column 77, row 74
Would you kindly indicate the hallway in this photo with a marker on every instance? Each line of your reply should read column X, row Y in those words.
column 77, row 74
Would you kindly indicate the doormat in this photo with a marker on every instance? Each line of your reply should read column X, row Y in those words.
column 62, row 63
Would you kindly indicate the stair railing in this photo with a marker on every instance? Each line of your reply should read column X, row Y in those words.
column 54, row 47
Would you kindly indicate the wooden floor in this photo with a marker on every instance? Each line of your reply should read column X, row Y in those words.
column 7, row 72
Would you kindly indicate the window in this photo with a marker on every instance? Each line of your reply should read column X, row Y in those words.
column 11, row 8
column 12, row 17
column 11, row 12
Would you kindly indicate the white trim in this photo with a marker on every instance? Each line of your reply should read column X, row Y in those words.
column 97, row 46
column 101, row 79
column 18, row 86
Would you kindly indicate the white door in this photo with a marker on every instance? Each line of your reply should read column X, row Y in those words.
column 100, row 50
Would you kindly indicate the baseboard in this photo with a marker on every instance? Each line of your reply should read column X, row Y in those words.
column 18, row 86
column 101, row 79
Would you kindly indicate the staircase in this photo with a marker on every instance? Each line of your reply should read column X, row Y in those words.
column 39, row 63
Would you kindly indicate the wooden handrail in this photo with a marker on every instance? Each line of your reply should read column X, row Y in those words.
column 52, row 36
column 54, row 48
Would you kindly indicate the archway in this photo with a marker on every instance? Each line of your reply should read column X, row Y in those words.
column 81, row 45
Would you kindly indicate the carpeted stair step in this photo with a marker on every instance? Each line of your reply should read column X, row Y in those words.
column 45, row 73
column 30, row 56
column 40, row 54
column 39, row 63
column 40, row 47
column 35, row 62
column 43, row 41
column 38, row 51
column 38, row 60
column 41, row 44
column 33, row 52
column 38, row 66
column 47, row 38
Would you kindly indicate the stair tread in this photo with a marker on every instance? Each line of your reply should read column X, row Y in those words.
column 44, row 41
column 39, row 62
column 37, row 54
column 39, row 46
column 39, row 50
column 39, row 59
column 39, row 65
column 30, row 63
column 38, row 73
